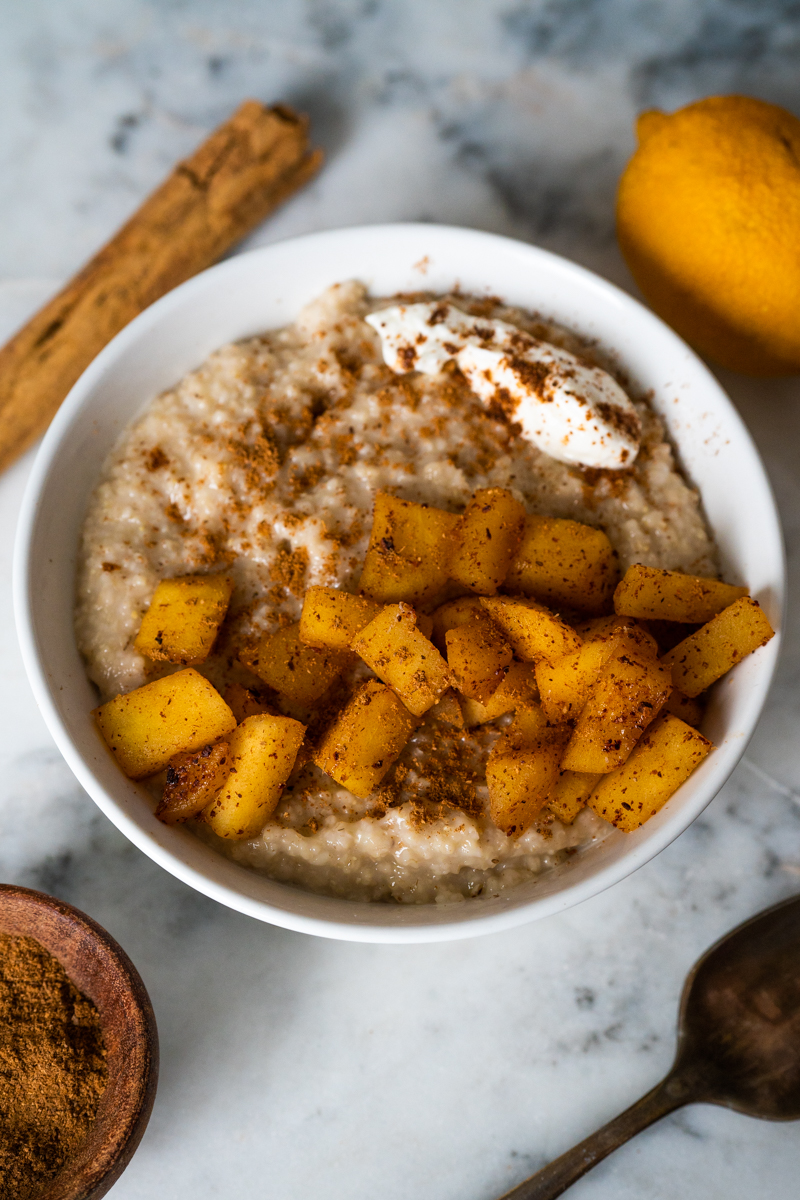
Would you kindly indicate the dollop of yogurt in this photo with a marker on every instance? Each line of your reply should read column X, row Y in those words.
column 573, row 412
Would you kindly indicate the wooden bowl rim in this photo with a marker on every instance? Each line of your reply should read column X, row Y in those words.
column 100, row 968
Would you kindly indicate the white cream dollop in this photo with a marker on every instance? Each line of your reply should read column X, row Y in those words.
column 573, row 412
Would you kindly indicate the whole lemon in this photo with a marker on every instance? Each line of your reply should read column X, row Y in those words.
column 708, row 219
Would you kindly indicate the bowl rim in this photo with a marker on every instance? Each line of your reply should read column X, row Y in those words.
column 346, row 920
column 127, row 1101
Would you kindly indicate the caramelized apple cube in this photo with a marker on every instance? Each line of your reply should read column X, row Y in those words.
column 331, row 618
column 664, row 759
column 298, row 672
column 628, row 695
column 570, row 793
column 478, row 654
column 565, row 563
column 448, row 710
column 401, row 656
column 521, row 771
column 409, row 551
column 153, row 723
column 263, row 751
column 183, row 619
column 604, row 627
column 705, row 656
column 487, row 538
column 192, row 782
column 366, row 738
column 245, row 702
column 533, row 631
column 564, row 685
column 453, row 613
column 517, row 690
column 647, row 592
column 688, row 708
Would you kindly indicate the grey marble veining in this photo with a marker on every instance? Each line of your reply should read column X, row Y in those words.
column 291, row 1065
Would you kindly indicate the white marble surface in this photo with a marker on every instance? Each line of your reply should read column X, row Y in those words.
column 293, row 1066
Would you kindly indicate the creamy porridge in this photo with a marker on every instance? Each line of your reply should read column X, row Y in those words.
column 264, row 463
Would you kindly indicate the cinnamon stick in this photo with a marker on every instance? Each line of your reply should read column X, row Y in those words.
column 209, row 202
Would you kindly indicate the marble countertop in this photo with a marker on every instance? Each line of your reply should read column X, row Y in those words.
column 292, row 1065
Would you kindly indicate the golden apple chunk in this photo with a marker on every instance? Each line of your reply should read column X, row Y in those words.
column 522, row 770
column 570, row 793
column 153, row 723
column 479, row 656
column 487, row 538
column 705, row 656
column 365, row 739
column 649, row 593
column 409, row 551
column 403, row 657
column 629, row 693
column 331, row 618
column 263, row 750
column 533, row 630
column 298, row 672
column 565, row 563
column 183, row 619
column 663, row 760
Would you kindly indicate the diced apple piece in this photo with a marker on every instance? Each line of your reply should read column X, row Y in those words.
column 565, row 563
column 452, row 614
column 331, row 618
column 263, row 752
column 611, row 626
column 401, row 656
column 183, row 619
column 689, row 709
column 409, row 551
column 153, row 723
column 705, row 656
column 629, row 693
column 245, row 702
column 599, row 626
column 570, row 793
column 521, row 771
column 298, row 672
column 448, row 710
column 517, row 690
column 663, row 760
column 192, row 782
column 564, row 685
column 649, row 593
column 533, row 631
column 365, row 739
column 478, row 654
column 487, row 538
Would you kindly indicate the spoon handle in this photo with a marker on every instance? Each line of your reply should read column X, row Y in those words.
column 673, row 1092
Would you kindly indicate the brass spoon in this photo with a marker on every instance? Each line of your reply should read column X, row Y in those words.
column 738, row 1044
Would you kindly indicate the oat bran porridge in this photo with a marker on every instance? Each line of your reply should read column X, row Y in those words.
column 264, row 463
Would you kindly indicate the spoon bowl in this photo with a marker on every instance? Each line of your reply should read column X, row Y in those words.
column 738, row 1044
column 740, row 1017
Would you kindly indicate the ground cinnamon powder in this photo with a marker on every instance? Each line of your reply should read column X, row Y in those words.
column 52, row 1067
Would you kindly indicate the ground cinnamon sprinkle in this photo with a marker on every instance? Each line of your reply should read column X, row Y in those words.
column 52, row 1067
column 290, row 568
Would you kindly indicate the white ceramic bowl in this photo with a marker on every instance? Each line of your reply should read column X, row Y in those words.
column 262, row 290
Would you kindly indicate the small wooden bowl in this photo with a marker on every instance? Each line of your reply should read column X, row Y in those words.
column 102, row 971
